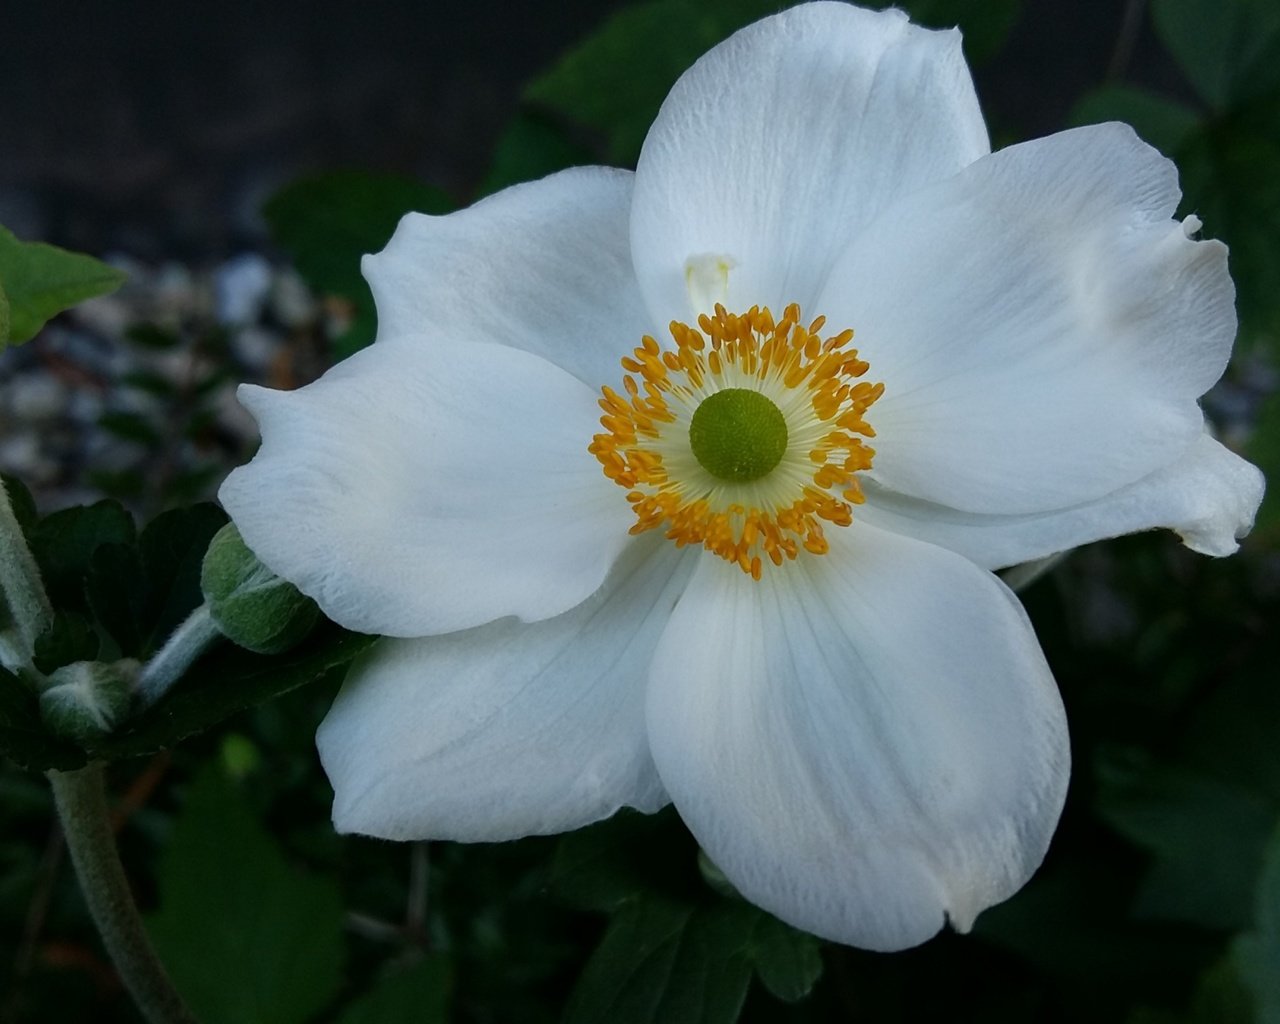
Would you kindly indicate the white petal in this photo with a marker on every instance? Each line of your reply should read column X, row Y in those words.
column 866, row 743
column 783, row 141
column 509, row 729
column 1209, row 496
column 1042, row 326
column 544, row 266
column 427, row 485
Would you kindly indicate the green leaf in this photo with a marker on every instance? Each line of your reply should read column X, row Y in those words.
column 23, row 739
column 670, row 962
column 64, row 543
column 40, row 281
column 602, row 85
column 1206, row 837
column 247, row 937
column 21, row 503
column 418, row 993
column 985, row 23
column 1256, row 956
column 227, row 681
column 1164, row 123
column 4, row 320
column 329, row 221
column 531, row 148
column 602, row 866
column 69, row 638
column 1229, row 49
column 172, row 547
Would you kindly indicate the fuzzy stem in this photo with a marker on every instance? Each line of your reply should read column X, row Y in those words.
column 24, row 609
column 82, row 807
column 184, row 646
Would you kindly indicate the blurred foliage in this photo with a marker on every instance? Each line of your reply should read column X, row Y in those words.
column 1159, row 902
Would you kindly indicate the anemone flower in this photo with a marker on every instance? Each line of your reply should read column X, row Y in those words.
column 759, row 586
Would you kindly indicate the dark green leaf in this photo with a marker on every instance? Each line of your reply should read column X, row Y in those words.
column 226, row 681
column 1256, row 956
column 247, row 937
column 600, row 83
column 328, row 221
column 418, row 993
column 604, row 865
column 21, row 503
column 670, row 962
column 4, row 319
column 23, row 739
column 1229, row 49
column 788, row 962
column 1206, row 838
column 531, row 148
column 1164, row 123
column 172, row 547
column 116, row 590
column 69, row 638
column 64, row 542
column 40, row 281
column 985, row 23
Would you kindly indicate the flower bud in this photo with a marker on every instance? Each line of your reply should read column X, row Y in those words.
column 252, row 606
column 87, row 699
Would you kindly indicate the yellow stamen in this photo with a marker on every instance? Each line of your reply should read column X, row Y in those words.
column 811, row 380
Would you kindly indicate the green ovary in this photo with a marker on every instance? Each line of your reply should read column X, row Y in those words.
column 738, row 435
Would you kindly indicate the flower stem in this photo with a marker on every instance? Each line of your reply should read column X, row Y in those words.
column 82, row 806
column 188, row 642
column 24, row 609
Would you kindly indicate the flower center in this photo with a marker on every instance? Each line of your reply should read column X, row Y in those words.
column 738, row 434
column 745, row 438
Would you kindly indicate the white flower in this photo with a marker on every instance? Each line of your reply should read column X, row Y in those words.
column 866, row 739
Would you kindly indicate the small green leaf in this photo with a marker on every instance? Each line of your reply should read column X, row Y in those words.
column 23, row 737
column 329, row 221
column 788, row 962
column 230, row 680
column 1229, row 49
column 247, row 937
column 418, row 993
column 40, row 281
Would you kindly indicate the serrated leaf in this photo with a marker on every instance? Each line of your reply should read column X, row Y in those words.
column 1160, row 121
column 664, row 961
column 247, row 937
column 23, row 739
column 329, row 221
column 226, row 681
column 40, row 281
column 21, row 503
column 63, row 544
column 1228, row 49
column 418, row 993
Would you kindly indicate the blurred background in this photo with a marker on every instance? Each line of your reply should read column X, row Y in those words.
column 235, row 160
